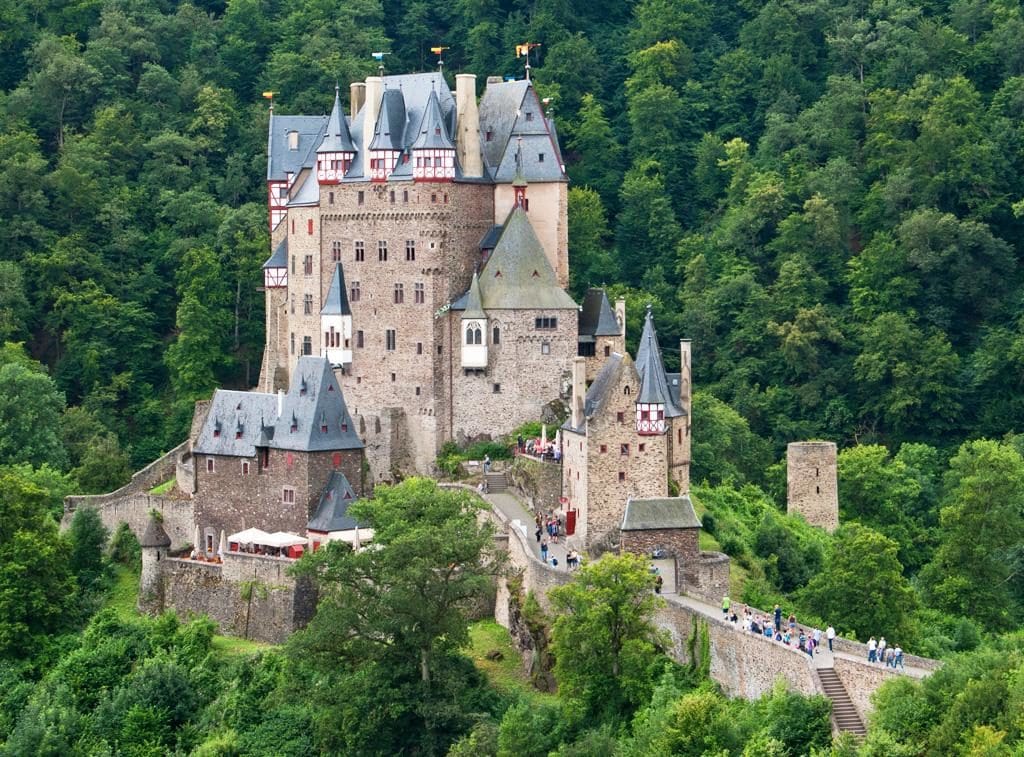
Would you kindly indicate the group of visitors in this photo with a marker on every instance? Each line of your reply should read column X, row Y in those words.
column 880, row 651
column 551, row 524
column 783, row 630
column 550, row 529
column 539, row 447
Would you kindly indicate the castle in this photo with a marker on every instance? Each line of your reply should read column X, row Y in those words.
column 419, row 243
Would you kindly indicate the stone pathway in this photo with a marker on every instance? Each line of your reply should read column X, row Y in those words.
column 513, row 509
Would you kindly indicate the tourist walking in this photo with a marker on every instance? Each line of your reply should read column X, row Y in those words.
column 778, row 618
column 487, row 463
column 898, row 658
column 830, row 634
column 881, row 649
column 872, row 649
column 725, row 605
column 544, row 550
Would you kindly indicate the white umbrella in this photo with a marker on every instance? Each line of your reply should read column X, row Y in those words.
column 543, row 436
column 195, row 540
column 223, row 544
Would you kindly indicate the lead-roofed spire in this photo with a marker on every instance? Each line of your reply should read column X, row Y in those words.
column 336, row 301
column 653, row 381
column 433, row 134
column 337, row 138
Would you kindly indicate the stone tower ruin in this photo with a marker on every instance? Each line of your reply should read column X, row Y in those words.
column 811, row 483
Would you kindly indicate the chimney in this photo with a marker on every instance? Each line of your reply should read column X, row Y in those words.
column 620, row 315
column 579, row 390
column 685, row 379
column 356, row 97
column 493, row 80
column 280, row 402
column 467, row 139
column 374, row 94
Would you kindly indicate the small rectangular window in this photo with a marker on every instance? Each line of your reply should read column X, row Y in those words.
column 529, row 115
column 419, row 293
column 390, row 338
column 307, row 304
column 604, row 448
column 419, row 348
column 360, row 252
column 245, row 467
column 540, row 157
column 307, row 345
column 622, row 475
column 392, row 198
column 620, row 417
column 546, row 323
column 417, row 391
column 335, row 251
column 359, row 339
column 382, row 251
column 209, row 465
column 288, row 495
column 360, row 197
column 355, row 292
column 497, row 388
column 394, row 377
column 399, row 294
column 545, row 348
column 330, row 198
column 410, row 249
column 641, row 447
column 624, row 450
column 405, row 195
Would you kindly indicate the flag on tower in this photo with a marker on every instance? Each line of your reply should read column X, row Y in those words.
column 524, row 49
column 269, row 95
column 378, row 56
column 438, row 50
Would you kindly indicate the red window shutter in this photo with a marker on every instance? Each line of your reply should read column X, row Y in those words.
column 309, row 225
column 336, row 459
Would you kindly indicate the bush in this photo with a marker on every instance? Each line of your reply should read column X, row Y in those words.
column 495, row 450
column 124, row 547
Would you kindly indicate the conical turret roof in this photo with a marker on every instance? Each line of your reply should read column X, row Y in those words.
column 337, row 138
column 653, row 381
column 154, row 535
column 474, row 305
column 432, row 134
column 336, row 302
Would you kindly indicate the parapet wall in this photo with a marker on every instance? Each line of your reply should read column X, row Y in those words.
column 158, row 471
column 134, row 509
column 707, row 577
column 269, row 609
column 745, row 664
column 861, row 680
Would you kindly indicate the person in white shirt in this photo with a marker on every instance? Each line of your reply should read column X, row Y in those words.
column 830, row 633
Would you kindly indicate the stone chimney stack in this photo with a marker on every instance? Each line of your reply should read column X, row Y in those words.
column 374, row 94
column 685, row 381
column 620, row 315
column 579, row 390
column 356, row 97
column 467, row 139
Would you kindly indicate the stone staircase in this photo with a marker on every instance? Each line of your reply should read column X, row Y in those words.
column 496, row 482
column 844, row 714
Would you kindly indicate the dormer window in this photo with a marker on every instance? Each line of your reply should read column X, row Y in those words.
column 489, row 136
column 295, row 424
column 302, row 388
column 529, row 115
column 216, row 430
column 293, row 140
column 437, row 131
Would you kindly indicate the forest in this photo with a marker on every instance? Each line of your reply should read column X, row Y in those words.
column 827, row 198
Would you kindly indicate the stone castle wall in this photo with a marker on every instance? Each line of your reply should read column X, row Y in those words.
column 134, row 509
column 279, row 605
column 539, row 481
column 681, row 543
column 707, row 577
column 812, row 486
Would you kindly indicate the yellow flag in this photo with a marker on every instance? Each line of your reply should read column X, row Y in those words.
column 522, row 50
column 438, row 50
column 268, row 95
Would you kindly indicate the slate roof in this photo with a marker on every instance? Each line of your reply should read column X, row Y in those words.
column 432, row 133
column 604, row 384
column 491, row 238
column 337, row 137
column 659, row 513
column 238, row 422
column 473, row 306
column 597, row 317
column 517, row 275
column 154, row 535
column 309, row 192
column 314, row 403
column 280, row 257
column 336, row 302
column 331, row 513
column 280, row 160
column 509, row 111
column 229, row 412
column 653, row 381
column 389, row 132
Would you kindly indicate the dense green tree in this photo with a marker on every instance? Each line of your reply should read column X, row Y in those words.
column 604, row 640
column 30, row 411
column 88, row 537
column 861, row 587
column 973, row 573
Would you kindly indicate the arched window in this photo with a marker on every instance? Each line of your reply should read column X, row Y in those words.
column 478, row 337
column 496, row 335
column 469, row 334
column 626, row 391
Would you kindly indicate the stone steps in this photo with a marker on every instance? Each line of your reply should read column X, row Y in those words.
column 844, row 714
column 496, row 482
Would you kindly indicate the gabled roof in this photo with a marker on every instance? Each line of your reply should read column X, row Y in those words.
column 331, row 513
column 474, row 308
column 653, row 381
column 597, row 317
column 309, row 191
column 508, row 111
column 659, row 513
column 229, row 412
column 280, row 159
column 432, row 132
column 337, row 138
column 518, row 275
column 604, row 385
column 314, row 417
column 280, row 257
column 336, row 302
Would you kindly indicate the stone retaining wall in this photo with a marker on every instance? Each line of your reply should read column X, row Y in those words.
column 280, row 604
column 861, row 680
column 540, row 482
column 133, row 509
column 861, row 650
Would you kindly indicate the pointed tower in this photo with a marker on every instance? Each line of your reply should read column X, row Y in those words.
column 433, row 151
column 654, row 402
column 336, row 322
column 474, row 329
column 519, row 180
column 154, row 543
column 335, row 155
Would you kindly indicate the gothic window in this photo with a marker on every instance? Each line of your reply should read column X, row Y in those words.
column 390, row 337
column 474, row 335
column 360, row 251
column 335, row 251
column 355, row 292
column 626, row 390
column 496, row 335
column 410, row 249
column 382, row 251
column 419, row 293
column 307, row 304
column 399, row 294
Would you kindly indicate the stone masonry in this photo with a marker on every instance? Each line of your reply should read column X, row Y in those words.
column 812, row 486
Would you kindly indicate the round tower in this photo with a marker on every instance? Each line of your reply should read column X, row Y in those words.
column 155, row 543
column 811, row 483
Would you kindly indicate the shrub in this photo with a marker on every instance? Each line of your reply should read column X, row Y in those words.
column 124, row 547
